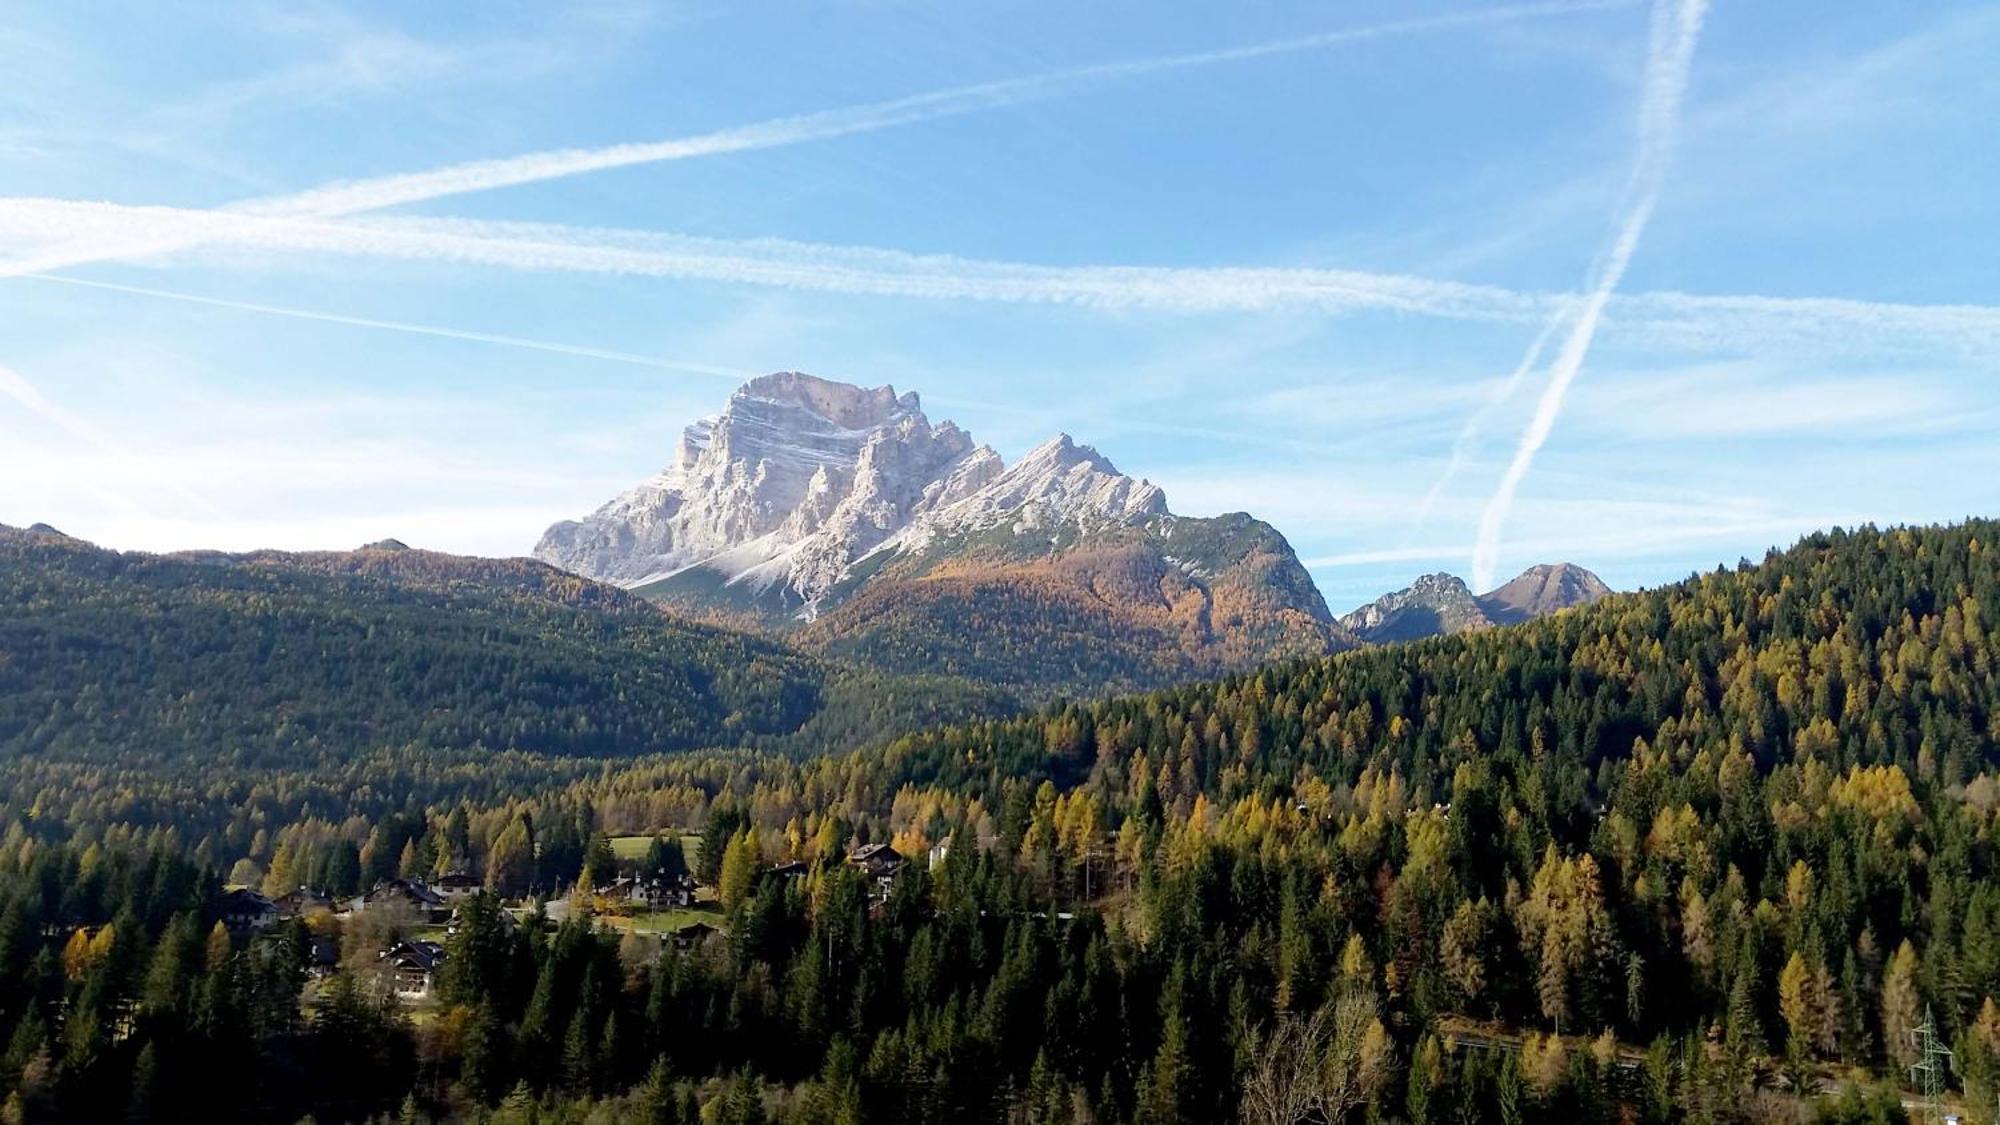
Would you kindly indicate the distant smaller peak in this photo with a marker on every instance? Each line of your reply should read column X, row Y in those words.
column 1442, row 580
column 387, row 545
column 45, row 529
column 1065, row 451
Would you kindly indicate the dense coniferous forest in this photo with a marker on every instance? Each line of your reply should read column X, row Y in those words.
column 1123, row 612
column 1709, row 853
column 291, row 660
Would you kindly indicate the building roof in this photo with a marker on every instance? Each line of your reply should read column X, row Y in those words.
column 243, row 900
column 874, row 853
column 324, row 951
column 424, row 956
column 405, row 889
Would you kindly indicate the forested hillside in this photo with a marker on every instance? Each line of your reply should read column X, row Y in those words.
column 1704, row 853
column 1123, row 610
column 280, row 660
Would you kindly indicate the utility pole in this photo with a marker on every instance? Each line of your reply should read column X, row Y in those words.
column 1933, row 1068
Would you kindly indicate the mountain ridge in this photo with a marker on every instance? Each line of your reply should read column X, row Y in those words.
column 273, row 657
column 843, row 516
column 1441, row 604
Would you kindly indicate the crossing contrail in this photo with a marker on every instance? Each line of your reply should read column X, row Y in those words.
column 362, row 195
column 1676, row 28
column 769, row 262
column 1461, row 446
column 1676, row 320
column 376, row 193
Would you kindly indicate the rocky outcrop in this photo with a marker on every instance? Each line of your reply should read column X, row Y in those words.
column 1439, row 604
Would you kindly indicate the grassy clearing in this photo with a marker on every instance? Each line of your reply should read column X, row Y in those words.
column 632, row 849
column 667, row 921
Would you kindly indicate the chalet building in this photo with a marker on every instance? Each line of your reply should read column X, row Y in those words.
column 790, row 869
column 458, row 885
column 692, row 935
column 322, row 957
column 653, row 892
column 245, row 911
column 429, row 905
column 940, row 851
column 879, row 862
column 303, row 901
column 415, row 966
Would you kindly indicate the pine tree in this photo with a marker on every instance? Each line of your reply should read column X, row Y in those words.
column 142, row 1104
column 1901, row 1006
column 510, row 861
column 1507, row 1090
column 217, row 950
column 1166, row 1096
column 579, row 1056
column 655, row 1097
column 739, row 869
column 483, row 1062
column 1424, row 1078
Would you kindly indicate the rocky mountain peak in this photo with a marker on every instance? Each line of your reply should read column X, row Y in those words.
column 1441, row 603
column 843, row 404
column 798, row 478
column 1433, row 604
column 1058, row 481
column 1541, row 590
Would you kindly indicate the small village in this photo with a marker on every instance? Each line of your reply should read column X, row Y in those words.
column 395, row 936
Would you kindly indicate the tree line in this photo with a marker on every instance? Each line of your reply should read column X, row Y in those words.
column 1710, row 852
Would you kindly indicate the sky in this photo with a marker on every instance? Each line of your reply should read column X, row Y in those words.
column 1643, row 286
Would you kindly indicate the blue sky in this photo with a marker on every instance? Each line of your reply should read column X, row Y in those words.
column 1277, row 258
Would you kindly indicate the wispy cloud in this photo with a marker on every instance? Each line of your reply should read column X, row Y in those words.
column 486, row 175
column 1468, row 433
column 1718, row 322
column 370, row 59
column 1676, row 28
column 735, row 374
column 17, row 387
column 1731, row 401
column 1612, row 538
column 771, row 262
column 375, row 193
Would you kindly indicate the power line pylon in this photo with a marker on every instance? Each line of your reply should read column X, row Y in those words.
column 1932, row 1070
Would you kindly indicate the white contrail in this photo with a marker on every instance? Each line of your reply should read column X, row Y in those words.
column 485, row 175
column 735, row 374
column 374, row 193
column 1461, row 446
column 771, row 262
column 356, row 196
column 1674, row 34
column 1665, row 319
